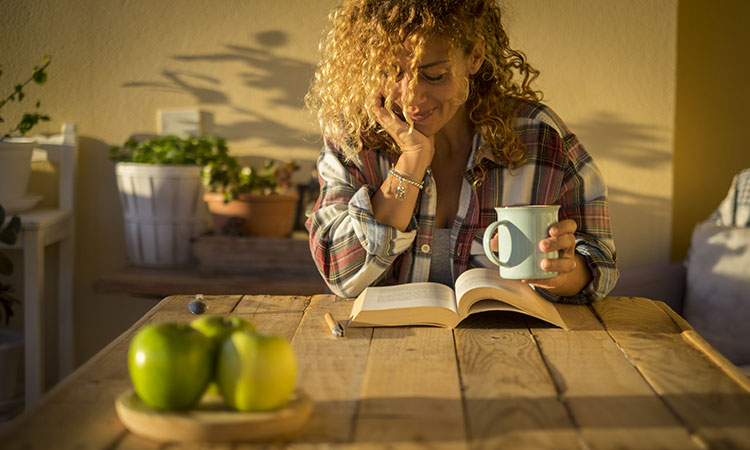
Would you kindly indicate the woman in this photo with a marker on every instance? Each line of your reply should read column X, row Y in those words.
column 429, row 123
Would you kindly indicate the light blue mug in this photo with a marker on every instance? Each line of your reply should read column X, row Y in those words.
column 519, row 229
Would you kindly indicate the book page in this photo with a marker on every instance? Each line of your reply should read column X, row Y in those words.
column 405, row 304
column 481, row 284
column 491, row 305
column 410, row 295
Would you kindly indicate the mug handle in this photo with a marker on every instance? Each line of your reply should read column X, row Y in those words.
column 486, row 241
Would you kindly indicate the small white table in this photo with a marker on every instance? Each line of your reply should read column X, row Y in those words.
column 40, row 228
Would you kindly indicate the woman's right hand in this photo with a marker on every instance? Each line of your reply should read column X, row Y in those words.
column 408, row 140
column 417, row 151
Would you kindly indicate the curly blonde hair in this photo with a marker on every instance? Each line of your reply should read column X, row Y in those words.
column 362, row 50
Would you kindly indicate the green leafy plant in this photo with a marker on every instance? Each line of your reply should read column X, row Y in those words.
column 28, row 120
column 221, row 172
column 171, row 149
column 228, row 177
column 8, row 235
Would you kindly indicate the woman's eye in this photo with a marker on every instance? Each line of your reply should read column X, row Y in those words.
column 433, row 78
column 398, row 72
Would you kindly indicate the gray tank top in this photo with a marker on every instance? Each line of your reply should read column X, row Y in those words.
column 440, row 265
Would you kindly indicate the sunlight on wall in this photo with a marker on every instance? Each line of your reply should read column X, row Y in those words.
column 608, row 69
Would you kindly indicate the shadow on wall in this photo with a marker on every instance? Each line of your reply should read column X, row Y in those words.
column 106, row 232
column 640, row 222
column 640, row 225
column 282, row 80
column 635, row 144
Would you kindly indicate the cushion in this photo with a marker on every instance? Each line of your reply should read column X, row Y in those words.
column 717, row 295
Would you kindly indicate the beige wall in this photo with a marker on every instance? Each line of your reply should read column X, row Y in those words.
column 712, row 96
column 608, row 68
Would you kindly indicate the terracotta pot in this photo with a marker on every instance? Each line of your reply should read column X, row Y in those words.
column 253, row 214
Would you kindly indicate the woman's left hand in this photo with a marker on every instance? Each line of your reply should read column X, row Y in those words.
column 561, row 238
column 572, row 271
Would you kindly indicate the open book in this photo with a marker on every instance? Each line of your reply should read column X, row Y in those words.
column 477, row 290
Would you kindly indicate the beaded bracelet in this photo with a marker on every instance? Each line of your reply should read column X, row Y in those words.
column 403, row 178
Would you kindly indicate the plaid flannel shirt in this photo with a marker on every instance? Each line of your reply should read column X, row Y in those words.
column 353, row 251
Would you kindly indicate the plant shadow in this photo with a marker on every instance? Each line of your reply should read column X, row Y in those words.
column 636, row 151
column 281, row 80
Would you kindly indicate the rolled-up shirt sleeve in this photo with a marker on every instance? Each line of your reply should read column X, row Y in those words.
column 583, row 198
column 350, row 248
column 601, row 261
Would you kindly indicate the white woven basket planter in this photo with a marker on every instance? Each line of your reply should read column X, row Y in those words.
column 164, row 209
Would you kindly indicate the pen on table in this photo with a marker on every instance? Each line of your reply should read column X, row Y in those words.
column 336, row 328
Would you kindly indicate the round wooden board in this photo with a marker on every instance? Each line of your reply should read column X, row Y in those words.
column 211, row 420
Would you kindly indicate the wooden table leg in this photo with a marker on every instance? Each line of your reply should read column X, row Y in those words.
column 66, row 309
column 33, row 316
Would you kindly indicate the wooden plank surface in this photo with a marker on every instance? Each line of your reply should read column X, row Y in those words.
column 331, row 371
column 634, row 314
column 712, row 405
column 275, row 315
column 630, row 374
column 696, row 340
column 411, row 391
column 509, row 397
column 609, row 401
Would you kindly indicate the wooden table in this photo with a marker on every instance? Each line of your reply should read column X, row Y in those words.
column 631, row 374
column 160, row 282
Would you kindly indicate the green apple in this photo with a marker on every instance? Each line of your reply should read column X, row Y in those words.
column 256, row 372
column 170, row 365
column 219, row 327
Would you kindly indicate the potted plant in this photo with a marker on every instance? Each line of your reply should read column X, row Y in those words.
column 250, row 201
column 162, row 195
column 15, row 149
column 11, row 342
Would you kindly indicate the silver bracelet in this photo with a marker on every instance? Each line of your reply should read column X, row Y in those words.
column 403, row 178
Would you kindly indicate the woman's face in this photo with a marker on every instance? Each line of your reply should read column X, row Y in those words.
column 440, row 89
